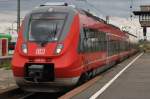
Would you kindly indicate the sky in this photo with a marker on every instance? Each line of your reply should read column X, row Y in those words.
column 120, row 8
column 102, row 8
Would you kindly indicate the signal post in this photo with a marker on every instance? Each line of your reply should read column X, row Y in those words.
column 144, row 18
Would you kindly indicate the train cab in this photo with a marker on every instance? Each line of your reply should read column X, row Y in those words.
column 46, row 50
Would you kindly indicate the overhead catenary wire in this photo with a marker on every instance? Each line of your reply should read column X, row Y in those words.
column 131, row 9
column 97, row 11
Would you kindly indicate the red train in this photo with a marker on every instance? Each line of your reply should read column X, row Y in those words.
column 60, row 46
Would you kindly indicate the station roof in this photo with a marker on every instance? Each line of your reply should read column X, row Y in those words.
column 8, row 36
column 141, row 12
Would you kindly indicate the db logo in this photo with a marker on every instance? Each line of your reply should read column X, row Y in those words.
column 40, row 51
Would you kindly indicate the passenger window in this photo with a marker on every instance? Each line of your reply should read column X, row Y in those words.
column 92, row 40
column 81, row 41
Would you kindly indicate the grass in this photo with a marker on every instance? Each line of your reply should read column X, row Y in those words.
column 144, row 46
column 5, row 64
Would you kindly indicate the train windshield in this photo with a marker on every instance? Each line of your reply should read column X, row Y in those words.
column 46, row 27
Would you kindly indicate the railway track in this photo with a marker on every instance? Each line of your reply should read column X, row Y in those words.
column 13, row 94
column 26, row 95
column 42, row 96
column 19, row 94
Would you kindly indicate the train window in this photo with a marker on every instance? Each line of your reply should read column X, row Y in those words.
column 45, row 30
column 101, row 41
column 85, row 39
column 123, row 46
column 113, row 46
column 109, row 48
column 92, row 40
column 118, row 47
column 46, row 27
column 81, row 41
column 26, row 26
column 50, row 16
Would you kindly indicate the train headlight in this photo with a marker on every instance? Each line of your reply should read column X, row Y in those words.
column 24, row 48
column 59, row 48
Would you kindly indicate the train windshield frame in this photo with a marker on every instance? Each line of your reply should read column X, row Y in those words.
column 46, row 27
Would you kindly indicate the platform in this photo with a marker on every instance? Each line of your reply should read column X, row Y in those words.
column 133, row 83
column 6, row 80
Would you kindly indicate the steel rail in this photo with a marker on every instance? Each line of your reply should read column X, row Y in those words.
column 5, row 57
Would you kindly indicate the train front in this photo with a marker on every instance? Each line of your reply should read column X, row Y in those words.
column 46, row 58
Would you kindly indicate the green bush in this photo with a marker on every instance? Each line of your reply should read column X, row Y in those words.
column 144, row 46
column 5, row 64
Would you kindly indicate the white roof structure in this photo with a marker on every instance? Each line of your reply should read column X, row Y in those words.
column 54, row 4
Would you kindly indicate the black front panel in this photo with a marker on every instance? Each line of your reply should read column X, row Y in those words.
column 39, row 72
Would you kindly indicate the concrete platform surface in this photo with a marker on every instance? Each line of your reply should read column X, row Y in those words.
column 6, row 79
column 133, row 83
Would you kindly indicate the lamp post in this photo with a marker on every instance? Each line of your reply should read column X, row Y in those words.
column 12, row 25
column 18, row 15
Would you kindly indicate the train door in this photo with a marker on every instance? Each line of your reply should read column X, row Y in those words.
column 0, row 47
column 4, row 47
column 82, row 45
column 107, row 49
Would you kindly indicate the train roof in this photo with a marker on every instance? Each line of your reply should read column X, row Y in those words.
column 64, row 7
column 53, row 7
